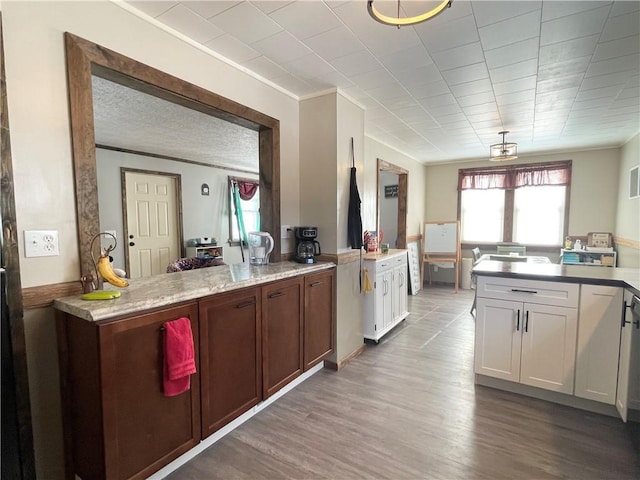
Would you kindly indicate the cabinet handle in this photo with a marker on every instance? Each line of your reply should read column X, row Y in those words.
column 315, row 284
column 526, row 321
column 624, row 309
column 523, row 291
column 518, row 321
column 274, row 295
column 401, row 280
column 246, row 304
column 386, row 287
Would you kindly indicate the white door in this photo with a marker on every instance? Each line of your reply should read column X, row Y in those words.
column 153, row 237
column 498, row 338
column 549, row 347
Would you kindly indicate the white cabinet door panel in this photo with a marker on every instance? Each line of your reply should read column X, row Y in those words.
column 549, row 347
column 598, row 343
column 498, row 339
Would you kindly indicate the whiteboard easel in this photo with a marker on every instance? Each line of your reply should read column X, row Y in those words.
column 441, row 244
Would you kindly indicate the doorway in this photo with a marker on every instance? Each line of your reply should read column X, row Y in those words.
column 152, row 221
column 392, row 202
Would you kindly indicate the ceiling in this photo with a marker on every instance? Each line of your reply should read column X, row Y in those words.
column 559, row 75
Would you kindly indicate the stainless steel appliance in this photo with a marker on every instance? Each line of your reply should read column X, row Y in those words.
column 307, row 247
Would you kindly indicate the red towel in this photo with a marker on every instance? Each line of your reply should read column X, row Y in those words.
column 179, row 357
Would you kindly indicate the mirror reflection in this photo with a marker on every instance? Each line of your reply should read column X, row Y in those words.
column 164, row 175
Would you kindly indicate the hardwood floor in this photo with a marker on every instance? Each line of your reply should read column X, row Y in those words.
column 408, row 409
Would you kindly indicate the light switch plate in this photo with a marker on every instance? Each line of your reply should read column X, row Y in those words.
column 41, row 243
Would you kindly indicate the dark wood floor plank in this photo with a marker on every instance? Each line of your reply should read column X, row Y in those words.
column 408, row 408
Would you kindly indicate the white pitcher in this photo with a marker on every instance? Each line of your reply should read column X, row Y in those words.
column 260, row 246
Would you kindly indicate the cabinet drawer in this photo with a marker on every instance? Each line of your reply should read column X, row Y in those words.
column 387, row 263
column 532, row 291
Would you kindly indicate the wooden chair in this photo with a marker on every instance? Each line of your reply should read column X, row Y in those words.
column 507, row 249
column 441, row 244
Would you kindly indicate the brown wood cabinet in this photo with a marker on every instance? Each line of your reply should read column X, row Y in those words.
column 249, row 344
column 281, row 334
column 319, row 317
column 230, row 357
column 118, row 423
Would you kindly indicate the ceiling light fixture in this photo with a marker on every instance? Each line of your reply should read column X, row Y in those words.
column 406, row 21
column 501, row 152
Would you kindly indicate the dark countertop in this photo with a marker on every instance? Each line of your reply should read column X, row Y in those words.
column 612, row 276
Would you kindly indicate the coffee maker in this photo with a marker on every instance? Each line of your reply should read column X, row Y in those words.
column 307, row 247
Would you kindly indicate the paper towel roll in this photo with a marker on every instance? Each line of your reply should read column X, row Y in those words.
column 465, row 281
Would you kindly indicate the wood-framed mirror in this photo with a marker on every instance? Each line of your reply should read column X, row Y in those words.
column 391, row 203
column 85, row 59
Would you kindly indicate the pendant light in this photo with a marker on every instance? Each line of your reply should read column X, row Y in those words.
column 502, row 152
column 406, row 21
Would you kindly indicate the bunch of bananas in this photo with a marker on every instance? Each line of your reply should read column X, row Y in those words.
column 103, row 265
column 106, row 272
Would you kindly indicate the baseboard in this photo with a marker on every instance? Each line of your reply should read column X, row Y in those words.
column 341, row 363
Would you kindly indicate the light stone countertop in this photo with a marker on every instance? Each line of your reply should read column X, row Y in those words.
column 171, row 288
column 381, row 256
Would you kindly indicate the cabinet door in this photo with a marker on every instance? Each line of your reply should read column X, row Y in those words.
column 281, row 334
column 319, row 317
column 549, row 347
column 143, row 429
column 400, row 292
column 229, row 357
column 498, row 338
column 598, row 343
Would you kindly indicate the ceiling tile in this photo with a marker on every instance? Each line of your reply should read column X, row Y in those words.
column 515, row 71
column 617, row 48
column 557, row 9
column 419, row 76
column 573, row 66
column 412, row 57
column 309, row 66
column 153, row 8
column 459, row 56
column 208, row 9
column 490, row 12
column 618, row 78
column 305, row 19
column 429, row 89
column 559, row 83
column 437, row 36
column 469, row 73
column 356, row 63
column 477, row 99
column 190, row 24
column 232, row 48
column 559, row 52
column 510, row 31
column 612, row 65
column 573, row 26
column 246, row 22
column 513, row 86
column 267, row 6
column 265, row 67
column 620, row 27
column 513, row 53
column 525, row 96
column 472, row 88
column 281, row 47
column 334, row 43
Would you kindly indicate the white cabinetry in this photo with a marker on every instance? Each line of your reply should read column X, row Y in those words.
column 386, row 305
column 598, row 343
column 628, row 394
column 526, row 332
column 205, row 251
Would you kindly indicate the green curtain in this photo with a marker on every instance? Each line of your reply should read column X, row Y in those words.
column 241, row 228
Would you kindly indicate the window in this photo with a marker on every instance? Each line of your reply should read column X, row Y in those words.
column 525, row 204
column 244, row 208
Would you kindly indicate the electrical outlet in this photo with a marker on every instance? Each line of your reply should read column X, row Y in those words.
column 284, row 231
column 41, row 243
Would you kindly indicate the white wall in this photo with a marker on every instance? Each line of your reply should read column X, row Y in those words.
column 628, row 209
column 416, row 188
column 41, row 150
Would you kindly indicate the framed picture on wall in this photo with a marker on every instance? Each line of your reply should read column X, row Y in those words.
column 634, row 182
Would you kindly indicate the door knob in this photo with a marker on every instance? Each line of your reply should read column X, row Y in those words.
column 131, row 244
